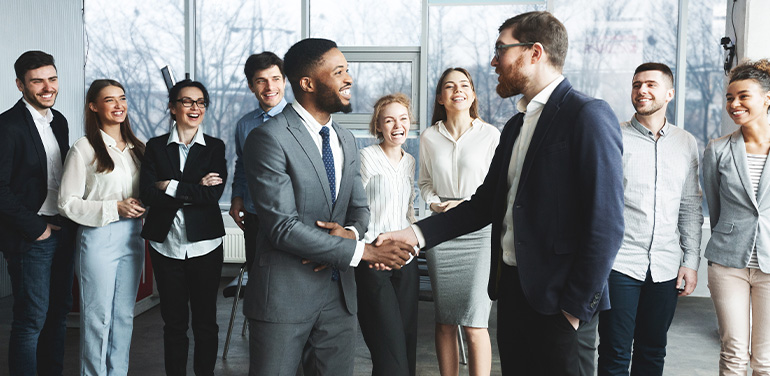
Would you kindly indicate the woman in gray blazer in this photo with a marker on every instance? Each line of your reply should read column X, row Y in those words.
column 737, row 189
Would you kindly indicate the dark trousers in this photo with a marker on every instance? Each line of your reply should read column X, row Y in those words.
column 189, row 286
column 41, row 280
column 387, row 313
column 250, row 229
column 532, row 343
column 641, row 314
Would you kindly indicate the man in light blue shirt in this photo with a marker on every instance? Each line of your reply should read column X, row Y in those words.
column 264, row 73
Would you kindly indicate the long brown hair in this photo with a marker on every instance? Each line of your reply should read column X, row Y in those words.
column 439, row 112
column 104, row 162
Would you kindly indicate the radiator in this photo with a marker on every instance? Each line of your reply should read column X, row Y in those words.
column 234, row 245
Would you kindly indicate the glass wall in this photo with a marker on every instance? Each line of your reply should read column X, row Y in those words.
column 608, row 39
column 130, row 44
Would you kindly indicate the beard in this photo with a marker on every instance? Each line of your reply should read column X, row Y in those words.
column 512, row 82
column 652, row 108
column 32, row 99
column 329, row 100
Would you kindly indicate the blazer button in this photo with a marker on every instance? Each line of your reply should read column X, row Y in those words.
column 756, row 214
column 518, row 206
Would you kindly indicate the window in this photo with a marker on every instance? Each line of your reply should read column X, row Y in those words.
column 130, row 44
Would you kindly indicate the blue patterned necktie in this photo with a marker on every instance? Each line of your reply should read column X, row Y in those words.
column 326, row 153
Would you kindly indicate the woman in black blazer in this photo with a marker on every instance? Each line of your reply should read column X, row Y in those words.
column 181, row 183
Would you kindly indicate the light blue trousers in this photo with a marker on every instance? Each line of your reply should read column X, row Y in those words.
column 108, row 263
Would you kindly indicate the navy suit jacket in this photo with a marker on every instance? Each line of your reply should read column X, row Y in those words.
column 24, row 175
column 568, row 210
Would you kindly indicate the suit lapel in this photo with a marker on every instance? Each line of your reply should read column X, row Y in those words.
column 300, row 133
column 192, row 156
column 34, row 134
column 349, row 151
column 172, row 150
column 738, row 148
column 550, row 109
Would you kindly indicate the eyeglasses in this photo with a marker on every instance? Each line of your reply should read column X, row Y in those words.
column 188, row 102
column 499, row 49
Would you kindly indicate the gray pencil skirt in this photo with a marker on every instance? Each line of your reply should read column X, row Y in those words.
column 459, row 272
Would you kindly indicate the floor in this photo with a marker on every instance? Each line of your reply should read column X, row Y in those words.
column 693, row 342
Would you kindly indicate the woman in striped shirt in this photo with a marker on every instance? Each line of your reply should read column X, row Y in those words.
column 387, row 300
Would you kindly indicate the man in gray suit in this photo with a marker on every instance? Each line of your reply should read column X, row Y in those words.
column 302, row 168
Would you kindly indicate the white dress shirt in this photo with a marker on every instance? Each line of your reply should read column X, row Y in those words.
column 314, row 127
column 532, row 112
column 452, row 168
column 90, row 198
column 53, row 157
column 176, row 245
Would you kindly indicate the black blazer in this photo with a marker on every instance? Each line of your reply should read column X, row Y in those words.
column 568, row 210
column 200, row 204
column 24, row 175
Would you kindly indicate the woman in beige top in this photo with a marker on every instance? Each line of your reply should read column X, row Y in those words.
column 100, row 181
column 455, row 153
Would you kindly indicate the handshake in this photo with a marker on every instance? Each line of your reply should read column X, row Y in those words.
column 391, row 250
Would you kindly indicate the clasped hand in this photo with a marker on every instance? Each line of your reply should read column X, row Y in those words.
column 389, row 253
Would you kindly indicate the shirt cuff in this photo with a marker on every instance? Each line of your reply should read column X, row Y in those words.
column 353, row 228
column 691, row 260
column 358, row 253
column 418, row 234
column 171, row 189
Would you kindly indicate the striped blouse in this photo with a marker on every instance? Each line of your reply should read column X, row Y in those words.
column 756, row 164
column 389, row 190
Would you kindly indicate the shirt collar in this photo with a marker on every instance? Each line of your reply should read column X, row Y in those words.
column 110, row 142
column 643, row 130
column 36, row 116
column 309, row 120
column 541, row 98
column 442, row 128
column 260, row 113
column 173, row 137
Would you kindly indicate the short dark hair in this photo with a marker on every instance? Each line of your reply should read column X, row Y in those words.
column 31, row 60
column 258, row 62
column 660, row 67
column 758, row 71
column 303, row 57
column 173, row 93
column 542, row 27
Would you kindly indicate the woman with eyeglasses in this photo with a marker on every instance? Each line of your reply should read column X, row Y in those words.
column 98, row 191
column 181, row 183
column 455, row 153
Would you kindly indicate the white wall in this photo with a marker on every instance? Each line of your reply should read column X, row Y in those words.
column 55, row 27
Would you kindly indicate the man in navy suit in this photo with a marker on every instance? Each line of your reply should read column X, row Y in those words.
column 554, row 197
column 36, row 241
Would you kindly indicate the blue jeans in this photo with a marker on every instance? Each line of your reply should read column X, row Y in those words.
column 641, row 314
column 41, row 279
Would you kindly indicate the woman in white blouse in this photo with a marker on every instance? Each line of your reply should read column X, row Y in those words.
column 387, row 300
column 98, row 189
column 455, row 153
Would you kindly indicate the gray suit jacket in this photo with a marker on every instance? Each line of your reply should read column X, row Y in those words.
column 739, row 221
column 287, row 180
